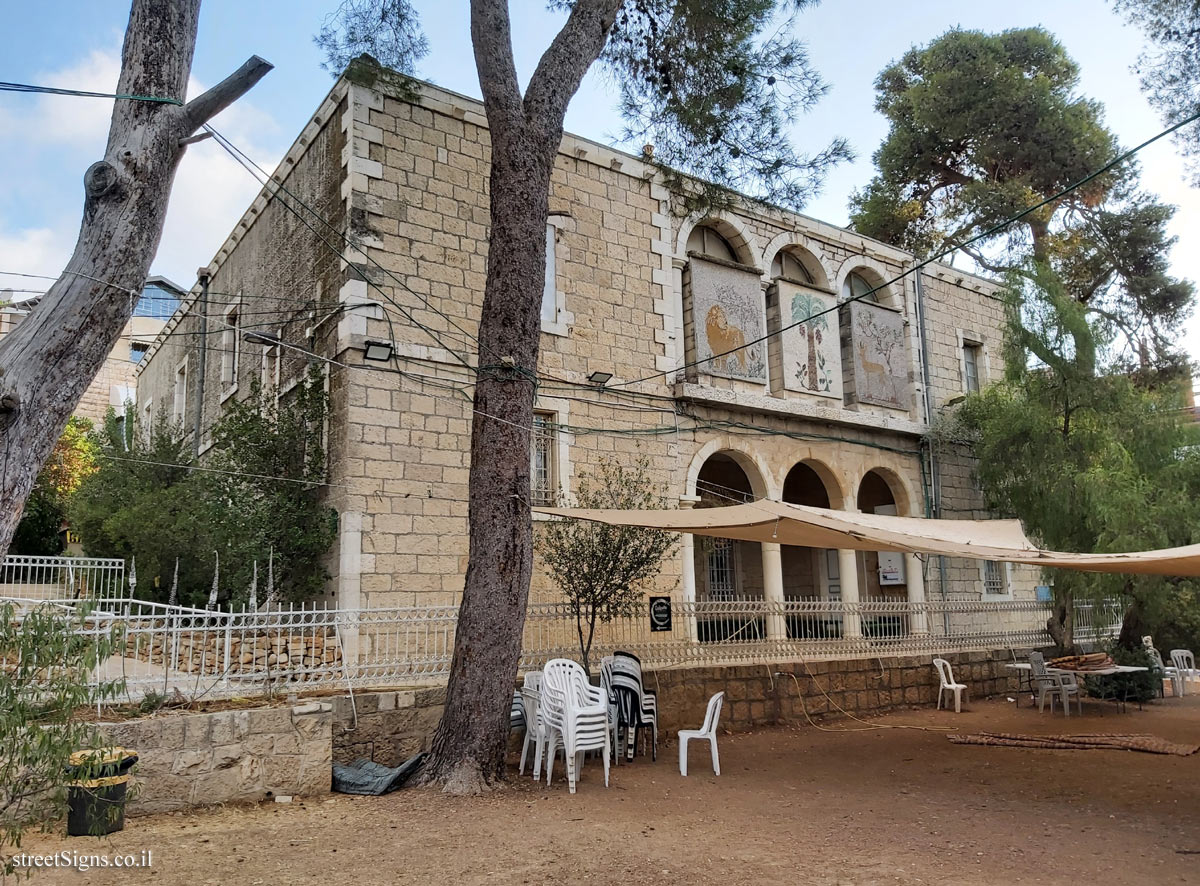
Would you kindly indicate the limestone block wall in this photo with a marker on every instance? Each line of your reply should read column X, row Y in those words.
column 385, row 726
column 756, row 696
column 393, row 726
column 117, row 372
column 408, row 184
column 228, row 756
column 211, row 652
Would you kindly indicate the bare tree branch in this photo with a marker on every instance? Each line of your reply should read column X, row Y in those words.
column 204, row 107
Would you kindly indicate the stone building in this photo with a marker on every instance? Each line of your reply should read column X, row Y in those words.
column 115, row 382
column 378, row 249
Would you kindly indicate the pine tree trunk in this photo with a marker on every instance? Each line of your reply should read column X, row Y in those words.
column 467, row 752
column 49, row 360
column 469, row 743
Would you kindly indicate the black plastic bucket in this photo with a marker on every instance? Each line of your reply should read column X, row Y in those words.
column 96, row 798
column 96, row 807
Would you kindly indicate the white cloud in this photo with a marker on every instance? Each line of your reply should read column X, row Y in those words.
column 35, row 251
column 71, row 120
column 38, row 226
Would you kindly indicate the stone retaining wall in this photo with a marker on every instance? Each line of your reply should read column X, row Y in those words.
column 205, row 652
column 391, row 726
column 242, row 756
column 755, row 696
column 228, row 756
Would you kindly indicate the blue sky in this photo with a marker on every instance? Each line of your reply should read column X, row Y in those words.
column 76, row 43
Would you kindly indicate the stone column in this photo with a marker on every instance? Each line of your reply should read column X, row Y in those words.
column 688, row 580
column 772, row 565
column 914, row 575
column 349, row 592
column 848, row 576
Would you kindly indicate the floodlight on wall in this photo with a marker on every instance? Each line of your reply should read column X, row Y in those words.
column 600, row 378
column 380, row 351
column 262, row 338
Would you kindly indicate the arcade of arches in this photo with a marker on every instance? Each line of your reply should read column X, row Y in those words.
column 719, row 570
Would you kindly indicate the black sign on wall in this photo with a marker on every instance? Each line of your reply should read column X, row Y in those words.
column 660, row 614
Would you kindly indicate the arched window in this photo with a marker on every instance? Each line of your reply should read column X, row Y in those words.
column 788, row 265
column 706, row 241
column 857, row 285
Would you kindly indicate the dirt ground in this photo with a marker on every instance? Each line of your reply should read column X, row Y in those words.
column 792, row 805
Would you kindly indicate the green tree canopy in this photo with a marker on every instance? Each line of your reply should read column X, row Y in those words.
column 71, row 462
column 984, row 126
column 711, row 86
column 258, row 492
column 1087, row 460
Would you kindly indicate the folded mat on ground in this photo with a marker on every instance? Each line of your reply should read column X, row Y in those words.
column 1151, row 744
column 366, row 777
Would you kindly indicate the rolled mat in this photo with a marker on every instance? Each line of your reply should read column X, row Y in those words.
column 1151, row 744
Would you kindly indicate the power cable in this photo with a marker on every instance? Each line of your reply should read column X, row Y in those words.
column 933, row 258
column 51, row 90
column 255, row 170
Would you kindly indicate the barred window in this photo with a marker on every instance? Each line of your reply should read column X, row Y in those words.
column 542, row 470
column 993, row 578
column 722, row 570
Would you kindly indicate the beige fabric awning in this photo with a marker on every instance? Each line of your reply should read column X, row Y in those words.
column 772, row 521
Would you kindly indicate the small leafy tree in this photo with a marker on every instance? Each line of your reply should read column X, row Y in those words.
column 72, row 460
column 143, row 501
column 603, row 570
column 46, row 657
column 265, row 494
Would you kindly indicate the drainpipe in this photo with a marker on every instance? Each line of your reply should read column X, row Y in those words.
column 934, row 504
column 198, row 427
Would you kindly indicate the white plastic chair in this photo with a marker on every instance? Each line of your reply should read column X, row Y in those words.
column 1185, row 668
column 946, row 675
column 1053, row 684
column 535, row 724
column 708, row 731
column 576, row 713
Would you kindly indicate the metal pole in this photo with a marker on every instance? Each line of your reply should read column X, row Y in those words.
column 198, row 427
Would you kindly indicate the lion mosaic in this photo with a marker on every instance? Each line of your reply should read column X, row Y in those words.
column 723, row 336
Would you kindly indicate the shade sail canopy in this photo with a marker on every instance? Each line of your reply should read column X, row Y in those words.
column 783, row 523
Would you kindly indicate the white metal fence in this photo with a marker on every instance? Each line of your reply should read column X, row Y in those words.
column 201, row 653
column 61, row 578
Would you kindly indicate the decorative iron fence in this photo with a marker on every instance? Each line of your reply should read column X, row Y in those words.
column 62, row 578
column 200, row 653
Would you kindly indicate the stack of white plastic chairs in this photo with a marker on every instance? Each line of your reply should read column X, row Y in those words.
column 639, row 706
column 575, row 714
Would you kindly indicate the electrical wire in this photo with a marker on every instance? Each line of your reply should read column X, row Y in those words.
column 51, row 90
column 995, row 229
column 250, row 166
